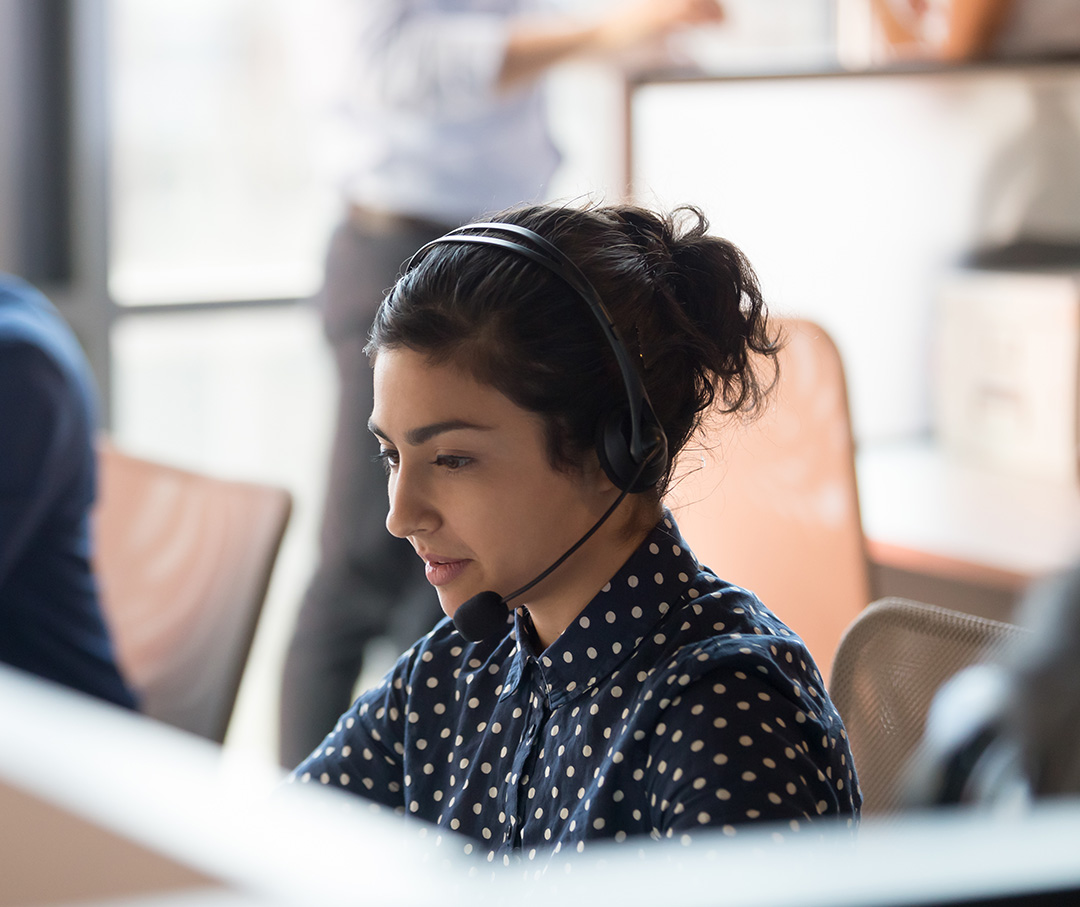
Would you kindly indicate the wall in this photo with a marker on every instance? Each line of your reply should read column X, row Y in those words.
column 9, row 66
column 853, row 194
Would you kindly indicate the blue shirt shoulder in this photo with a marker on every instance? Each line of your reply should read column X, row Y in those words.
column 50, row 618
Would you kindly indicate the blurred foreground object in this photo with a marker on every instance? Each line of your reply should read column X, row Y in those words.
column 50, row 618
column 1009, row 732
column 149, row 813
column 184, row 562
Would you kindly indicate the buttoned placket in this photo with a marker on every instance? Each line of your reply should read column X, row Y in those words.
column 532, row 689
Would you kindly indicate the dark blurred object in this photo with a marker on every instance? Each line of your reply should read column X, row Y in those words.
column 50, row 616
column 892, row 660
column 39, row 148
column 1009, row 732
column 1025, row 254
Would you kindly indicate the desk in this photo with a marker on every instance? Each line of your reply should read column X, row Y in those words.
column 931, row 515
column 206, row 833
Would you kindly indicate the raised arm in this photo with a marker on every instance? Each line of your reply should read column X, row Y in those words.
column 533, row 47
column 971, row 27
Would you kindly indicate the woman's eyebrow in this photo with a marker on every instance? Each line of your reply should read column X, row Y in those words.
column 416, row 436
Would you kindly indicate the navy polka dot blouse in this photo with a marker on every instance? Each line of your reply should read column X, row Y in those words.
column 674, row 702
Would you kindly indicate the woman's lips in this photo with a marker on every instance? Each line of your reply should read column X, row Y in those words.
column 440, row 571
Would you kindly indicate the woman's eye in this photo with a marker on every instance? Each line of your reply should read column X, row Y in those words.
column 388, row 457
column 451, row 462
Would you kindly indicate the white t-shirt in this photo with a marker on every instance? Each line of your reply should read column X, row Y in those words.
column 427, row 132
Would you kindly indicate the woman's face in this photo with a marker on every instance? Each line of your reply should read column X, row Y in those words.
column 472, row 488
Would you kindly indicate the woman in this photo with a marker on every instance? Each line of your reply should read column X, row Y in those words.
column 444, row 110
column 631, row 691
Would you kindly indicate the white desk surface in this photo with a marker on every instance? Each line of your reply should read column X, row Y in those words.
column 176, row 797
column 930, row 513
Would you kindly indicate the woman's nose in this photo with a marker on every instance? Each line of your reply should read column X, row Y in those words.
column 410, row 511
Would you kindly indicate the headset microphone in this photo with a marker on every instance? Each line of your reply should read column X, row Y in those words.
column 485, row 613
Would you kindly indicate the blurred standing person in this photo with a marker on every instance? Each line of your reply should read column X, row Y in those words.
column 50, row 617
column 446, row 116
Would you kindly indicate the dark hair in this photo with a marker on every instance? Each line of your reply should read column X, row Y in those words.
column 687, row 305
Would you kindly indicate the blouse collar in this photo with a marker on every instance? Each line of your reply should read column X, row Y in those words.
column 657, row 577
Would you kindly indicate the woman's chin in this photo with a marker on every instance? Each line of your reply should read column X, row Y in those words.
column 450, row 603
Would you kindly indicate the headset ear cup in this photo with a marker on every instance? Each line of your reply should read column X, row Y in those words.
column 616, row 459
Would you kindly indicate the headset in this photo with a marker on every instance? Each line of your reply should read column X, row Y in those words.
column 630, row 442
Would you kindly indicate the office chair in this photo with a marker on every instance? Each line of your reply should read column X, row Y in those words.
column 184, row 562
column 891, row 663
column 772, row 504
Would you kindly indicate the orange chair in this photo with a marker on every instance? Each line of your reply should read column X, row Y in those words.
column 184, row 562
column 772, row 504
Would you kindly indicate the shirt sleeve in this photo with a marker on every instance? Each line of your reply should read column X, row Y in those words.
column 35, row 418
column 747, row 742
column 429, row 61
column 364, row 753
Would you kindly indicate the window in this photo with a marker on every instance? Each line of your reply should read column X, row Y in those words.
column 215, row 189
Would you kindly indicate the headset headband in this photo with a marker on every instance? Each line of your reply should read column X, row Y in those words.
column 557, row 262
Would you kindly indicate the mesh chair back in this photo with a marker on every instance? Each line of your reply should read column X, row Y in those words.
column 891, row 661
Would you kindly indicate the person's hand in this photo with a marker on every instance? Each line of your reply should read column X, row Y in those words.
column 643, row 21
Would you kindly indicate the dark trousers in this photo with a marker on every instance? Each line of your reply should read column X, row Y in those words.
column 368, row 583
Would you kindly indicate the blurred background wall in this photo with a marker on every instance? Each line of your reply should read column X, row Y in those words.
column 162, row 178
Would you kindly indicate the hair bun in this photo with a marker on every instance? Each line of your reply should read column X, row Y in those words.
column 706, row 324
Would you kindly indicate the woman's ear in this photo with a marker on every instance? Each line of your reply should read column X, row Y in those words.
column 638, row 513
column 594, row 478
